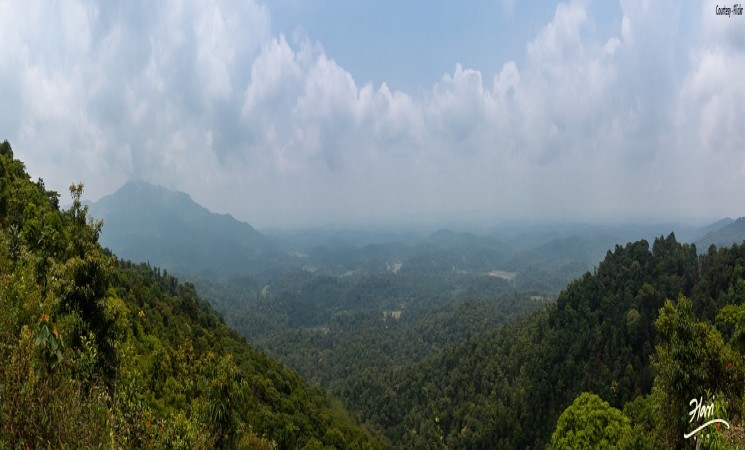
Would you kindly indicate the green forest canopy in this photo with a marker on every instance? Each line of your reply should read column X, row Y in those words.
column 506, row 383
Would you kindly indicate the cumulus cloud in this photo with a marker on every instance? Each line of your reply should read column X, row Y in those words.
column 108, row 92
column 203, row 97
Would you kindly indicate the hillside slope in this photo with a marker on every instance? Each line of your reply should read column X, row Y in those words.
column 724, row 236
column 127, row 351
column 506, row 388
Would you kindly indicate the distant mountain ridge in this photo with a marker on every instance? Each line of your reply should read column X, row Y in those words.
column 145, row 222
column 716, row 226
column 729, row 232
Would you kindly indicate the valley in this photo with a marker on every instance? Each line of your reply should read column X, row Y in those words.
column 420, row 337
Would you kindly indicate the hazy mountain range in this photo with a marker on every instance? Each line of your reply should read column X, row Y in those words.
column 144, row 222
column 722, row 233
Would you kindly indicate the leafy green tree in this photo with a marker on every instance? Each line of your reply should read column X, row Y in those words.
column 692, row 361
column 591, row 423
column 6, row 149
column 645, row 422
column 225, row 394
column 734, row 316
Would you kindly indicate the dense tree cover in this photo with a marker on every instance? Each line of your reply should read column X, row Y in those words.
column 99, row 352
column 609, row 333
column 508, row 387
column 300, row 299
column 352, row 335
column 358, row 353
column 693, row 361
column 699, row 378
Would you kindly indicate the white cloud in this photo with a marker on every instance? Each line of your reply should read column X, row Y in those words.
column 710, row 106
column 309, row 114
column 560, row 41
column 202, row 97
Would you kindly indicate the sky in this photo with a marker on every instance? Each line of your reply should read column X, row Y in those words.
column 297, row 113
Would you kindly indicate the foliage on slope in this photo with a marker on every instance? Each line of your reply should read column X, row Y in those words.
column 697, row 396
column 125, row 350
column 590, row 423
column 506, row 388
column 353, row 335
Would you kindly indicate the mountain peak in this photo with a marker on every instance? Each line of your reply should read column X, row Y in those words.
column 147, row 222
column 153, row 191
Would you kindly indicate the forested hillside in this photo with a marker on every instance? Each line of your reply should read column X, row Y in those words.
column 728, row 233
column 447, row 360
column 99, row 352
column 612, row 333
column 352, row 334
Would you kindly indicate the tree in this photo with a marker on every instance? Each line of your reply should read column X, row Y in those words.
column 692, row 361
column 6, row 149
column 591, row 423
column 225, row 394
